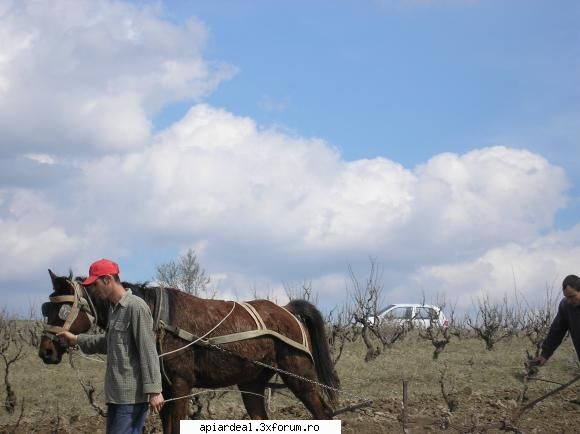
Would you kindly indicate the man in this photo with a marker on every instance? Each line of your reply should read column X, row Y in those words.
column 567, row 319
column 132, row 377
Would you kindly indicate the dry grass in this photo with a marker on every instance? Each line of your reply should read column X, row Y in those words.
column 484, row 382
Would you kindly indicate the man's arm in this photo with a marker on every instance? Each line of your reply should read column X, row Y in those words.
column 556, row 334
column 142, row 329
column 89, row 344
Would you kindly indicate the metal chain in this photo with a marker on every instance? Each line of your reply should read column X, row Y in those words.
column 75, row 284
column 291, row 374
column 264, row 365
column 212, row 391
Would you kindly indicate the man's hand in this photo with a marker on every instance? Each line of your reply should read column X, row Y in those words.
column 67, row 339
column 156, row 402
column 539, row 361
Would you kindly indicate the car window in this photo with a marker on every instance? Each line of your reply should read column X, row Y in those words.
column 382, row 311
column 399, row 313
column 426, row 313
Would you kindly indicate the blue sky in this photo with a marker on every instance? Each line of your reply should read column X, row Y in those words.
column 287, row 141
column 402, row 80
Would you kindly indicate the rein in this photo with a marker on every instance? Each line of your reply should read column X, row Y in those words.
column 81, row 301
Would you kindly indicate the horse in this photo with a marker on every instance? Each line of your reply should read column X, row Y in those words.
column 226, row 343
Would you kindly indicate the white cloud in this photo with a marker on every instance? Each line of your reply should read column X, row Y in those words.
column 265, row 206
column 528, row 268
column 87, row 75
column 261, row 206
column 41, row 158
column 272, row 105
column 485, row 197
column 262, row 200
column 217, row 173
column 31, row 235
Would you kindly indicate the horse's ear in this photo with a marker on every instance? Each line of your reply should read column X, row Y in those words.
column 52, row 276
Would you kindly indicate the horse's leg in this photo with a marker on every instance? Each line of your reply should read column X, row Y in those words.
column 253, row 395
column 174, row 411
column 307, row 392
column 165, row 413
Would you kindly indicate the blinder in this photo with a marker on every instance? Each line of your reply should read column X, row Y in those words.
column 69, row 312
column 62, row 313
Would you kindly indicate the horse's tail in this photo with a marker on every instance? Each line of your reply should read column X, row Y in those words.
column 312, row 319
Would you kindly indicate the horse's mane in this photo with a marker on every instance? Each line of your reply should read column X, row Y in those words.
column 141, row 290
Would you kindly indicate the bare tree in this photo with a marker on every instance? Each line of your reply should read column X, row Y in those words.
column 304, row 292
column 458, row 327
column 185, row 274
column 31, row 328
column 11, row 350
column 267, row 293
column 342, row 330
column 367, row 299
column 535, row 321
column 494, row 321
column 439, row 334
column 450, row 397
column 89, row 389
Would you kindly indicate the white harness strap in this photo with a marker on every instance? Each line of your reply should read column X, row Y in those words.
column 255, row 315
column 261, row 330
column 302, row 329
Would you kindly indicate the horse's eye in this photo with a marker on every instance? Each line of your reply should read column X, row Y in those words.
column 64, row 311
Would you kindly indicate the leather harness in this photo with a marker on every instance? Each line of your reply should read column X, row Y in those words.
column 260, row 330
column 81, row 301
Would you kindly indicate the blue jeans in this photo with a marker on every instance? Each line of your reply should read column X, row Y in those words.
column 126, row 418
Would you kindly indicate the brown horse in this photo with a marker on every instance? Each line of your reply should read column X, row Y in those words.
column 249, row 363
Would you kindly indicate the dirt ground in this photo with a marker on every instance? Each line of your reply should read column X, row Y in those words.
column 485, row 385
column 382, row 416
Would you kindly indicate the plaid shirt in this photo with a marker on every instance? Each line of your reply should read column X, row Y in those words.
column 132, row 359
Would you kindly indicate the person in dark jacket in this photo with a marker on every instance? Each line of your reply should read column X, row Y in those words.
column 567, row 320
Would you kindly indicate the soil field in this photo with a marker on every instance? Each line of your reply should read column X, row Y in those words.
column 485, row 385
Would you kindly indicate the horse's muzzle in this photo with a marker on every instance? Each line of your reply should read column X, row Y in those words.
column 50, row 351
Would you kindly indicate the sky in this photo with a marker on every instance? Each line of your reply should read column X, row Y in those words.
column 286, row 142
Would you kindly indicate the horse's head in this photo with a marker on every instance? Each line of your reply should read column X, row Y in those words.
column 70, row 308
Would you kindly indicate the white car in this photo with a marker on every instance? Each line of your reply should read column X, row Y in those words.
column 418, row 315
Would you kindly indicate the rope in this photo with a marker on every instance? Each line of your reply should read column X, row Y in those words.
column 264, row 365
column 213, row 390
column 90, row 302
column 291, row 374
column 201, row 337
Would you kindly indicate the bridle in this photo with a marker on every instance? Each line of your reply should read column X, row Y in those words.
column 80, row 302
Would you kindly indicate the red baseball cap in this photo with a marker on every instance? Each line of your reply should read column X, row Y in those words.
column 102, row 267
